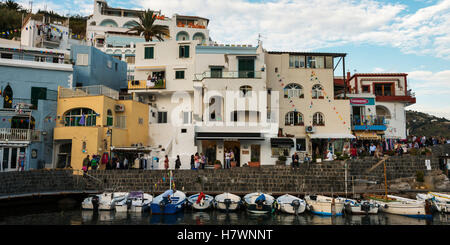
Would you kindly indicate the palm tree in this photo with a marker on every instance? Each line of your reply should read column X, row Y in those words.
column 10, row 4
column 148, row 28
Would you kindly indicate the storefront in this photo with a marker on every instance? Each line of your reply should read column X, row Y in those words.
column 246, row 147
column 335, row 143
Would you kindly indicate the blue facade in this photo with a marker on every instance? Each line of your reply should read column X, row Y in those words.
column 101, row 69
column 23, row 81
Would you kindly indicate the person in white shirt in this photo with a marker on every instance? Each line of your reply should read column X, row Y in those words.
column 372, row 149
column 330, row 156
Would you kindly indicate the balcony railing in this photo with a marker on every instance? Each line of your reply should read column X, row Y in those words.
column 229, row 74
column 144, row 84
column 88, row 91
column 15, row 134
column 369, row 120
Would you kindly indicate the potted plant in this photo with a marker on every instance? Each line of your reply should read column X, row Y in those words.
column 233, row 164
column 281, row 160
column 217, row 164
column 254, row 162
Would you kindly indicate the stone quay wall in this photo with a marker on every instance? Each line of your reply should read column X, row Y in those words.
column 326, row 177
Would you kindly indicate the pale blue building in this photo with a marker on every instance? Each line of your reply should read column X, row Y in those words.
column 29, row 82
column 93, row 67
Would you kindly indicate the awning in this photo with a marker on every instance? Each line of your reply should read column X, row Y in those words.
column 332, row 136
column 228, row 136
column 367, row 136
column 131, row 148
column 281, row 142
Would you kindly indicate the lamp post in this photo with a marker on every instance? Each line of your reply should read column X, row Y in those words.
column 109, row 133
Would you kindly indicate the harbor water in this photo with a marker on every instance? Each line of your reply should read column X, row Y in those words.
column 39, row 214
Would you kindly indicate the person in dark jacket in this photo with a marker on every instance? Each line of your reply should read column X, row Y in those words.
column 86, row 163
column 178, row 162
column 192, row 162
column 295, row 160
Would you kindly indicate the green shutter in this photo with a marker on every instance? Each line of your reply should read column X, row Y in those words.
column 37, row 94
column 149, row 53
column 180, row 51
column 186, row 51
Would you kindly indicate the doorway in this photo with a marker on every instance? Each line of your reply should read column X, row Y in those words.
column 10, row 158
column 209, row 149
column 358, row 115
column 64, row 155
column 235, row 146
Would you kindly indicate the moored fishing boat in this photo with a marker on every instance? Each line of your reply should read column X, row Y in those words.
column 227, row 202
column 104, row 201
column 403, row 206
column 440, row 200
column 200, row 201
column 324, row 205
column 137, row 201
column 170, row 202
column 360, row 206
column 291, row 204
column 259, row 203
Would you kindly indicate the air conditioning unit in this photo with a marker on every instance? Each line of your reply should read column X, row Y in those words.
column 119, row 108
column 310, row 129
column 152, row 97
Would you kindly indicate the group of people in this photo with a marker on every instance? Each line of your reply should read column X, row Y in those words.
column 296, row 160
column 101, row 163
column 198, row 161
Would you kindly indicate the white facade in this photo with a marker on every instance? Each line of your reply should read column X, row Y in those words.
column 107, row 27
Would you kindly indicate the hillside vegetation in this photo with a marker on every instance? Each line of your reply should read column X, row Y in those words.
column 420, row 124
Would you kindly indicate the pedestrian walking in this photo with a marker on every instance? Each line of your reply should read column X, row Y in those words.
column 227, row 159
column 192, row 162
column 94, row 162
column 197, row 160
column 178, row 162
column 166, row 162
column 203, row 160
column 86, row 163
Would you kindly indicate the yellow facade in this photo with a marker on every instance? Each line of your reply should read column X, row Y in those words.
column 90, row 140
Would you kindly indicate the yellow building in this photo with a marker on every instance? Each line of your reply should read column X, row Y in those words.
column 85, row 115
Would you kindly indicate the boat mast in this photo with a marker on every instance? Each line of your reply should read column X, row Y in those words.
column 385, row 179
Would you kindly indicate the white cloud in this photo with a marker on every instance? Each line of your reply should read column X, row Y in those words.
column 307, row 25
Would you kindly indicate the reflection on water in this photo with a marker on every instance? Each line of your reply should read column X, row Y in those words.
column 46, row 215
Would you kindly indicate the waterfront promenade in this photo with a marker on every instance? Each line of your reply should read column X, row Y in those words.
column 363, row 176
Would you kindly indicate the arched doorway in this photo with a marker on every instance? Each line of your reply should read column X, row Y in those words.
column 7, row 97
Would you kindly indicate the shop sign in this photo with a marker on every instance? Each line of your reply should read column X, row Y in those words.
column 362, row 101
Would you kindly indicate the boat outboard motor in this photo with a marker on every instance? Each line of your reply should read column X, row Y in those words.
column 227, row 203
column 129, row 202
column 365, row 207
column 296, row 205
column 260, row 201
column 95, row 202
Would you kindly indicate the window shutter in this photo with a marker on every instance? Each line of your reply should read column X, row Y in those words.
column 181, row 51
column 151, row 52
column 186, row 51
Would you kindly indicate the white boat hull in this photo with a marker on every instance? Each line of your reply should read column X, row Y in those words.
column 87, row 206
column 407, row 209
column 222, row 206
column 288, row 208
column 204, row 206
column 121, row 208
column 357, row 210
column 323, row 205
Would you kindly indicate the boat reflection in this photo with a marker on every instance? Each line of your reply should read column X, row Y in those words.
column 201, row 218
column 288, row 219
column 227, row 218
column 169, row 219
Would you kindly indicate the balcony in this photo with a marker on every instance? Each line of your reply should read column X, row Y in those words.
column 88, row 91
column 16, row 134
column 144, row 84
column 375, row 123
column 228, row 74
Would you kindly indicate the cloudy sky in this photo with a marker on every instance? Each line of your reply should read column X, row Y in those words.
column 408, row 36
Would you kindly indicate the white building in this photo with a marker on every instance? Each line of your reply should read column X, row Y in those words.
column 378, row 105
column 106, row 29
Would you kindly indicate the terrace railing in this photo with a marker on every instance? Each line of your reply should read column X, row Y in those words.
column 15, row 134
column 228, row 74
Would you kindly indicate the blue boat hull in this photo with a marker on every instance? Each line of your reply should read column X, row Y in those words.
column 326, row 214
column 168, row 209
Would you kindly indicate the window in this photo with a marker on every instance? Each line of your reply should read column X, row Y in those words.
column 149, row 53
column 328, row 62
column 6, row 56
column 294, row 118
column 320, row 61
column 38, row 93
column 293, row 90
column 162, row 116
column 184, row 51
column 246, row 68
column 109, row 64
column 296, row 61
column 311, row 62
column 109, row 118
column 179, row 74
column 115, row 64
column 318, row 119
column 245, row 91
column 300, row 144
column 383, row 89
column 366, row 89
column 80, row 117
column 82, row 59
column 216, row 72
column 317, row 92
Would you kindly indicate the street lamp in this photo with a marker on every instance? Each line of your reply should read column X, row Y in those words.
column 109, row 133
